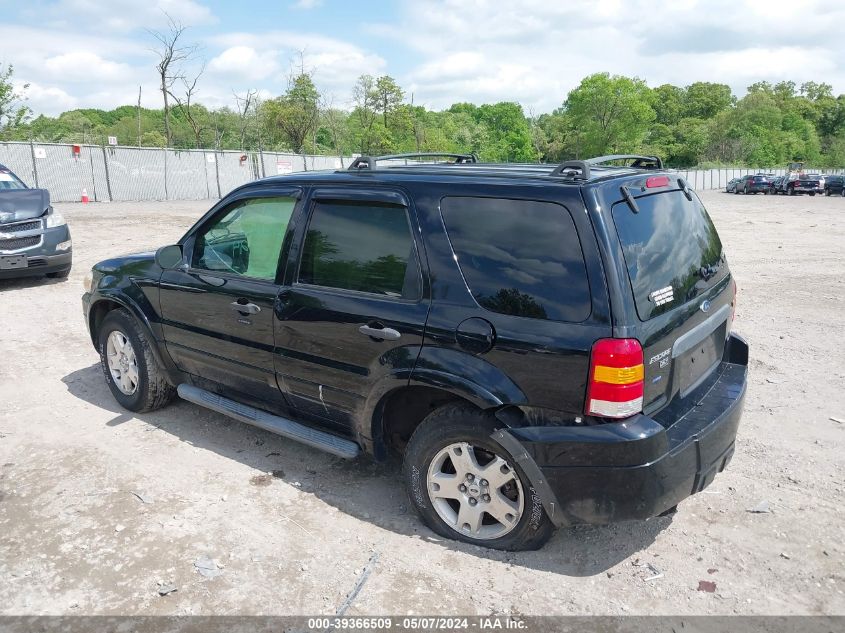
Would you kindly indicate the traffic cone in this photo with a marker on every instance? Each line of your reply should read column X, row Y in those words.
column 85, row 196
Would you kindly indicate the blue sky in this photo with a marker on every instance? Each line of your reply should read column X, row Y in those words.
column 95, row 53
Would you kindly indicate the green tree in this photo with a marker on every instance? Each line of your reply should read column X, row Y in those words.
column 612, row 114
column 388, row 97
column 669, row 104
column 704, row 100
column 12, row 112
column 296, row 113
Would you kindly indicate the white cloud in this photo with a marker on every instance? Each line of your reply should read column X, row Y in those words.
column 245, row 62
column 535, row 51
column 307, row 4
column 119, row 16
column 85, row 66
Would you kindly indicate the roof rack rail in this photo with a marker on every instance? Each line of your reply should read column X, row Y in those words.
column 370, row 162
column 566, row 169
column 639, row 161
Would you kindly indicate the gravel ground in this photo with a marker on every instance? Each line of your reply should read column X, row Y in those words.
column 101, row 509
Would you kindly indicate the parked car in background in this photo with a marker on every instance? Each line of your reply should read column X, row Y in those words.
column 756, row 183
column 731, row 186
column 820, row 179
column 834, row 186
column 34, row 239
column 795, row 184
column 774, row 185
column 530, row 339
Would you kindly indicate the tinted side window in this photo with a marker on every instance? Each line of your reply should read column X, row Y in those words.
column 365, row 247
column 247, row 240
column 519, row 257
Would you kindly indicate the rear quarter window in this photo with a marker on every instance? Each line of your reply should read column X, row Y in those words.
column 519, row 257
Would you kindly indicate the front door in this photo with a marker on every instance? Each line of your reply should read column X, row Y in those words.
column 354, row 309
column 217, row 309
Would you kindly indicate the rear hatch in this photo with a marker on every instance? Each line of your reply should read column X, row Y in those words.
column 680, row 284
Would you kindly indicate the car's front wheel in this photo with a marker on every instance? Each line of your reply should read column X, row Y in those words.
column 467, row 487
column 134, row 378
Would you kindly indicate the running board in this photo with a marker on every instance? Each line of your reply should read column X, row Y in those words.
column 333, row 444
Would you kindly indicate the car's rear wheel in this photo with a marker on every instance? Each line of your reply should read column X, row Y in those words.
column 791, row 191
column 133, row 376
column 466, row 486
column 827, row 192
column 812, row 193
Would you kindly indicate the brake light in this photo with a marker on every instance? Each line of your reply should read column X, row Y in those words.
column 615, row 385
column 657, row 181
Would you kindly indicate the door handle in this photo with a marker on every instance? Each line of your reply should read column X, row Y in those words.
column 385, row 334
column 245, row 308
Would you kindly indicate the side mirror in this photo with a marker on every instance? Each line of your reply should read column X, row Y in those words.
column 169, row 256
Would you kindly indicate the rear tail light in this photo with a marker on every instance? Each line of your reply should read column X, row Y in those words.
column 615, row 385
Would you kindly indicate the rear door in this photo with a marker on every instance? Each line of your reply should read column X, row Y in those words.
column 681, row 287
column 353, row 310
column 217, row 309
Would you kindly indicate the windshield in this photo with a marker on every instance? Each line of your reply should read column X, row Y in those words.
column 9, row 181
column 671, row 249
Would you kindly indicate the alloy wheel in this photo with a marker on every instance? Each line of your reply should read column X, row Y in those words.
column 123, row 364
column 475, row 492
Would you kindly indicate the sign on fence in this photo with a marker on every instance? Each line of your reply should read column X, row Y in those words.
column 284, row 167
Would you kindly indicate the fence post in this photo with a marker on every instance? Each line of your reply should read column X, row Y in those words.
column 166, row 197
column 93, row 177
column 261, row 158
column 108, row 178
column 217, row 174
column 34, row 167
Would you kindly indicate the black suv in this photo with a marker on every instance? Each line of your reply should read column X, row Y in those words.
column 834, row 185
column 544, row 345
column 758, row 183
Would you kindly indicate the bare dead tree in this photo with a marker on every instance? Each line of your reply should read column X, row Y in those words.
column 172, row 54
column 187, row 108
column 246, row 106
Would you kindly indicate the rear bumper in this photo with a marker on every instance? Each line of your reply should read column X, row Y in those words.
column 643, row 466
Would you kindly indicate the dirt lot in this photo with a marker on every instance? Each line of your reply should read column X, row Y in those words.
column 100, row 508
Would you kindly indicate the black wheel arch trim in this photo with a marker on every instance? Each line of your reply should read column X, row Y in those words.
column 535, row 476
column 162, row 358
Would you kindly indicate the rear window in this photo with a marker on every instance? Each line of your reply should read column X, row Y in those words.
column 671, row 249
column 761, row 178
column 519, row 257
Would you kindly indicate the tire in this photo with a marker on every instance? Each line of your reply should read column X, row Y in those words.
column 812, row 193
column 462, row 433
column 736, row 191
column 59, row 274
column 827, row 192
column 791, row 191
column 842, row 193
column 144, row 387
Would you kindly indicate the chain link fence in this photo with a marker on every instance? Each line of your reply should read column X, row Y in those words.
column 141, row 173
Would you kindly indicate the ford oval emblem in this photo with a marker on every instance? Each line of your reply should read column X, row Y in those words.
column 705, row 305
